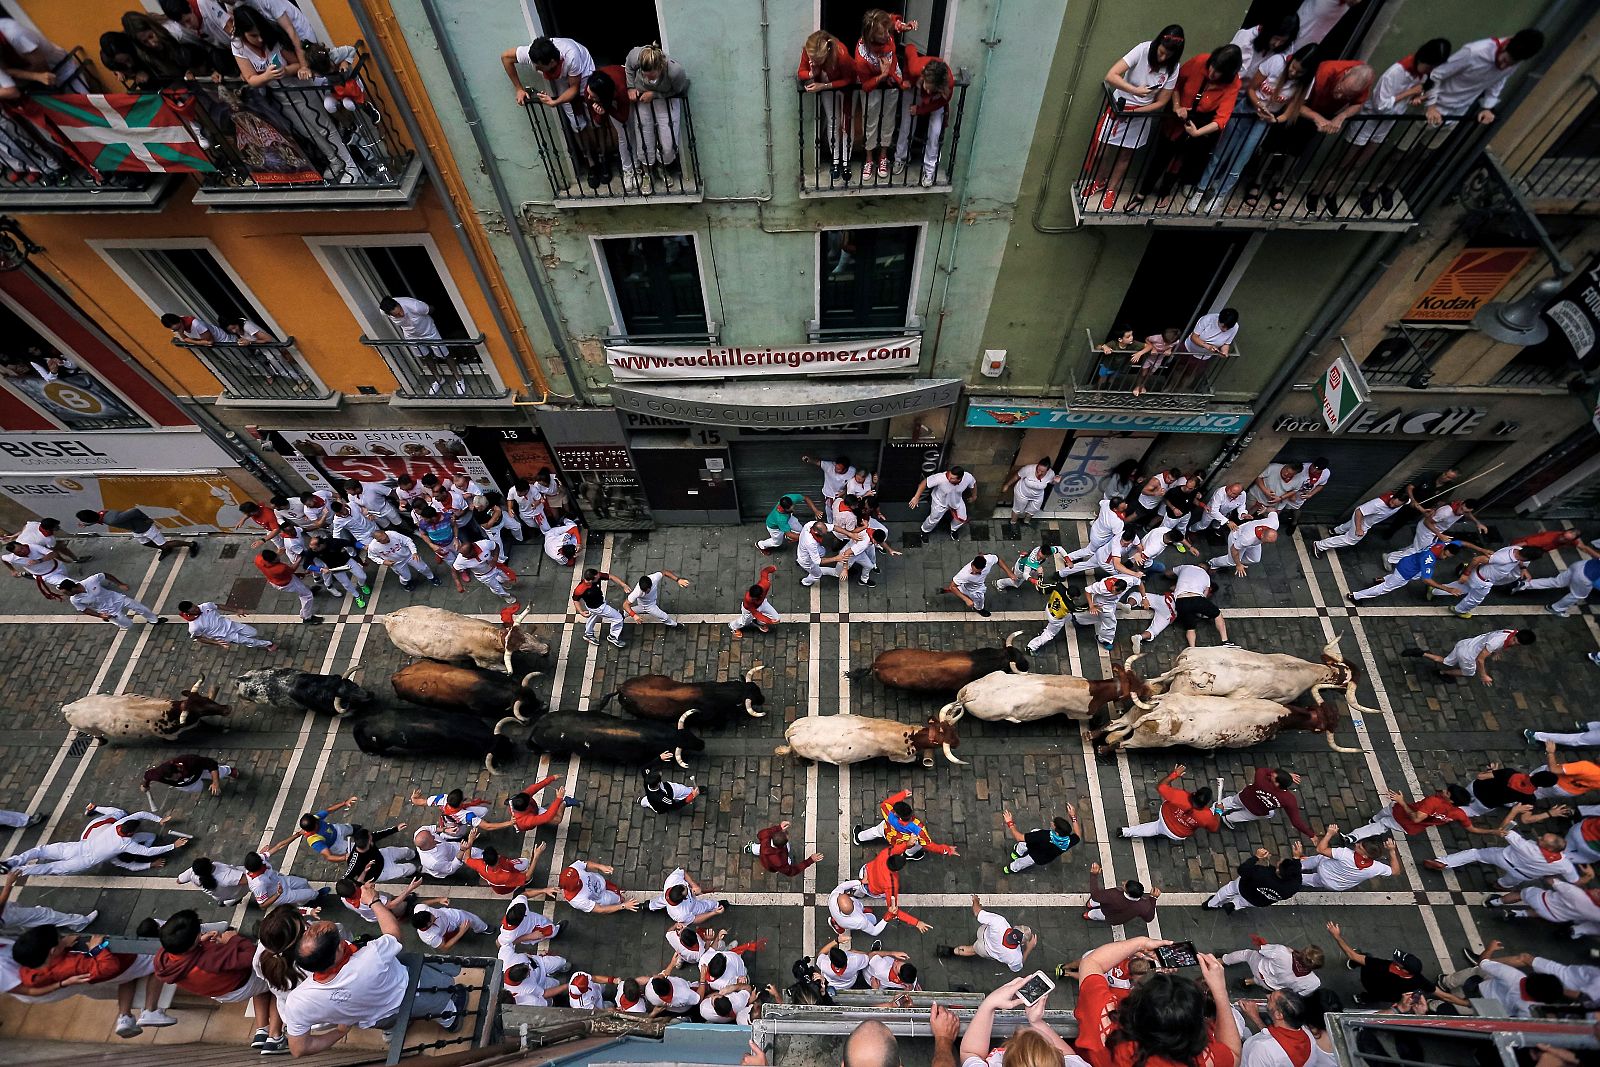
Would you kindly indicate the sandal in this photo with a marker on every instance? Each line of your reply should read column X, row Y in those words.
column 1252, row 196
column 1134, row 203
column 1279, row 200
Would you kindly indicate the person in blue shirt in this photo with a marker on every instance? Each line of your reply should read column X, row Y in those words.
column 1416, row 567
column 1578, row 580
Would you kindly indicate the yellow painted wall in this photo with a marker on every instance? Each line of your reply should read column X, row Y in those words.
column 265, row 249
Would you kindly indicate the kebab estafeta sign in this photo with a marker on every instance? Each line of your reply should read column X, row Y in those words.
column 1471, row 280
column 635, row 363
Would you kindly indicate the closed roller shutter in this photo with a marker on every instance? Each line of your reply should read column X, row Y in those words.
column 765, row 470
column 1355, row 464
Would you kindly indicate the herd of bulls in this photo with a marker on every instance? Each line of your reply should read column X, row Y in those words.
column 1214, row 697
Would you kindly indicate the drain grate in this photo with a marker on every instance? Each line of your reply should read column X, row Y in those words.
column 79, row 746
column 639, row 537
column 228, row 552
column 980, row 531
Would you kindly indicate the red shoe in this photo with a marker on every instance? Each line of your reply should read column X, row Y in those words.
column 1434, row 865
column 1109, row 201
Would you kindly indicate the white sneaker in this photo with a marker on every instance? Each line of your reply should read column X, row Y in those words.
column 808, row 581
column 156, row 1017
column 1193, row 203
column 1212, row 205
column 127, row 1027
column 433, row 389
column 927, row 181
column 899, row 167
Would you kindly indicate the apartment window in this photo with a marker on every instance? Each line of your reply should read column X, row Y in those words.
column 1408, row 355
column 187, row 281
column 656, row 284
column 609, row 31
column 402, row 270
column 866, row 277
column 1178, row 280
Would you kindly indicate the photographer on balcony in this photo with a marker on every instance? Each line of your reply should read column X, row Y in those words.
column 1163, row 1016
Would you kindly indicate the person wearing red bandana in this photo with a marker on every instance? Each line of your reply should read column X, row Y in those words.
column 1515, row 991
column 1341, row 869
column 583, row 885
column 1411, row 817
column 1349, row 533
column 504, row 874
column 1522, row 860
column 901, row 825
column 1282, row 1042
column 1159, row 1022
column 1385, row 982
column 1182, row 813
column 526, row 811
column 1555, row 901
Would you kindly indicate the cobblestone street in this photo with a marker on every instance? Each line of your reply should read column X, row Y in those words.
column 1425, row 733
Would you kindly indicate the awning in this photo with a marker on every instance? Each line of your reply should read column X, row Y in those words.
column 786, row 403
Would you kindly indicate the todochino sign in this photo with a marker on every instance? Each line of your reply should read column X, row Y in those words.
column 633, row 363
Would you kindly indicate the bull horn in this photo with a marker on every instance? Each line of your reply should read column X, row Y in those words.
column 516, row 710
column 350, row 675
column 1331, row 649
column 518, row 620
column 677, row 757
column 684, row 718
column 339, row 708
column 1350, row 698
column 1012, row 636
column 488, row 763
column 198, row 682
column 951, row 756
column 530, row 676
column 508, row 659
column 952, row 712
column 1128, row 663
column 1133, row 694
column 927, row 757
column 1338, row 747
column 750, row 709
column 1318, row 689
column 1010, row 666
column 500, row 727
column 750, row 674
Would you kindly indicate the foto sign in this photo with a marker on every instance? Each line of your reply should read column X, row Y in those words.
column 1341, row 393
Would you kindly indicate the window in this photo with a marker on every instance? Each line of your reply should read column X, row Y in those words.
column 398, row 265
column 609, row 31
column 866, row 277
column 1178, row 280
column 1408, row 355
column 186, row 281
column 656, row 284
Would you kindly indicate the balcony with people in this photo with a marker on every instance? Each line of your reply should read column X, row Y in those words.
column 254, row 368
column 1170, row 370
column 886, row 109
column 260, row 113
column 612, row 134
column 1267, row 131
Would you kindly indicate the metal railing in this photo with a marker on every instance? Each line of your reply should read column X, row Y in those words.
column 1175, row 380
column 651, row 155
column 1528, row 373
column 1564, row 165
column 842, row 131
column 440, row 370
column 478, row 1024
column 267, row 371
column 1379, row 169
column 335, row 131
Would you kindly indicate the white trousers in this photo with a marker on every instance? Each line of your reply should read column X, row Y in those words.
column 937, row 512
column 605, row 615
column 126, row 606
column 814, row 569
column 766, row 615
column 1247, row 557
column 1234, row 813
column 19, row 917
column 1389, row 584
column 1229, row 894
column 1472, row 589
column 1344, row 536
column 408, row 570
column 1163, row 611
column 301, row 590
column 1104, row 619
column 1052, row 627
column 777, row 536
column 1495, row 857
column 1156, row 827
column 659, row 122
column 1572, row 580
column 930, row 163
column 1421, row 539
column 653, row 611
column 1588, row 738
column 861, row 919
column 495, row 582
column 1382, row 823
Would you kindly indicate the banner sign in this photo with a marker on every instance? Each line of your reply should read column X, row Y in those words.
column 1471, row 280
column 634, row 363
column 373, row 455
column 1011, row 416
column 177, row 503
column 1574, row 316
column 113, row 452
column 1342, row 393
column 118, row 131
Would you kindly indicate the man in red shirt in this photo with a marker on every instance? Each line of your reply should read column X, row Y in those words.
column 880, row 880
column 52, row 961
column 1552, row 540
column 772, row 847
column 218, row 965
column 281, row 575
column 526, row 812
column 1413, row 817
column 504, row 874
column 755, row 609
column 1263, row 798
column 1182, row 813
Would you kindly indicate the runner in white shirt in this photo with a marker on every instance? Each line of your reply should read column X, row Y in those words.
column 970, row 583
column 671, row 993
column 720, row 969
column 1349, row 533
column 997, row 940
column 1101, row 612
column 482, row 560
column 209, row 626
column 441, row 927
column 808, row 553
column 1245, row 543
column 1521, row 860
column 1472, row 654
column 1341, row 869
column 861, row 550
column 270, row 888
column 1580, row 977
column 732, row 1006
column 526, row 504
column 836, row 474
column 1106, row 528
column 1475, row 75
column 891, row 972
column 842, row 968
column 1435, row 524
column 1514, row 990
column 1226, row 500
column 642, row 601
column 1275, row 967
column 1028, row 485
column 1188, row 604
column 438, row 857
column 1561, row 902
column 399, row 553
column 861, row 485
column 530, row 979
column 688, row 945
column 228, row 884
column 681, row 900
column 948, row 491
column 31, row 561
column 521, row 925
column 43, row 533
column 379, row 498
column 564, row 543
column 1314, row 477
column 350, row 522
column 94, row 596
column 847, row 913
column 1503, row 566
column 583, row 885
column 111, row 836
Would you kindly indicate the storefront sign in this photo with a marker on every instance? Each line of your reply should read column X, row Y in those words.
column 1042, row 417
column 164, row 451
column 1574, row 317
column 373, row 455
column 1471, row 280
column 669, row 363
column 1341, row 393
column 789, row 405
column 178, row 503
column 1402, row 422
column 596, row 467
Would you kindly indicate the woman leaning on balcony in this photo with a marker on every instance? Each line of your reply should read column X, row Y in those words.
column 1141, row 85
column 657, row 84
column 267, row 58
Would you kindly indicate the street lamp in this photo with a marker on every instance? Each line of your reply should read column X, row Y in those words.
column 1520, row 322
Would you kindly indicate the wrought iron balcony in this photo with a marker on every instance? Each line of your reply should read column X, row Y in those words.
column 1175, row 382
column 271, row 373
column 1560, row 172
column 650, row 158
column 444, row 371
column 842, row 131
column 1379, row 172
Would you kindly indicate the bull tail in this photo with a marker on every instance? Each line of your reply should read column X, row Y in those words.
column 860, row 673
column 608, row 698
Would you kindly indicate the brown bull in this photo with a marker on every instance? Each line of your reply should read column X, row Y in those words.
column 922, row 671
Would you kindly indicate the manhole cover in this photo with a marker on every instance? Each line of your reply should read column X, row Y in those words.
column 980, row 531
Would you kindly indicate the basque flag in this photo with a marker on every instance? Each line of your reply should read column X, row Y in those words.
column 118, row 131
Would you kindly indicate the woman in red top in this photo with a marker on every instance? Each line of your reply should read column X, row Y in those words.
column 826, row 70
column 930, row 97
column 1202, row 103
column 1159, row 1022
column 1339, row 90
column 606, row 94
column 882, row 80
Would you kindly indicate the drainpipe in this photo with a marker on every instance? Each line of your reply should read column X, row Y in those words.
column 449, row 187
column 502, row 195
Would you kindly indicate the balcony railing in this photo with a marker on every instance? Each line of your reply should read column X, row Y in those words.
column 1379, row 172
column 444, row 370
column 840, row 129
column 1563, row 168
column 650, row 157
column 272, row 371
column 1172, row 382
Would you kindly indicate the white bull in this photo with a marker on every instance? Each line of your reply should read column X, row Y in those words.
column 1223, row 671
column 1006, row 697
column 1206, row 722
column 842, row 739
column 433, row 633
column 131, row 717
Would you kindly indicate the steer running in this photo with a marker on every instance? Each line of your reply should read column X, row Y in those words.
column 433, row 633
column 1002, row 697
column 290, row 689
column 130, row 717
column 1223, row 722
column 842, row 739
column 1223, row 671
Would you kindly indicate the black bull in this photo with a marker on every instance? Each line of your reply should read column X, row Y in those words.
column 665, row 699
column 449, row 687
column 583, row 733
column 415, row 732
